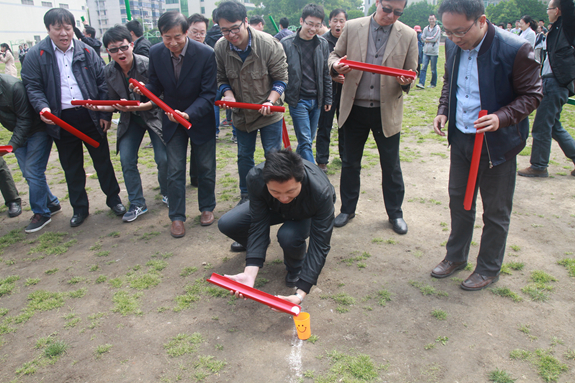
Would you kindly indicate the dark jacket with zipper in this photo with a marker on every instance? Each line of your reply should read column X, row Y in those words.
column 335, row 86
column 560, row 50
column 41, row 77
column 16, row 113
column 315, row 201
column 323, row 79
column 142, row 46
column 509, row 86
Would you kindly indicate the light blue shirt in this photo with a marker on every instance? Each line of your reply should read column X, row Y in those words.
column 467, row 94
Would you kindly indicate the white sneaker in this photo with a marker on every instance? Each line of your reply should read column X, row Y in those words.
column 165, row 200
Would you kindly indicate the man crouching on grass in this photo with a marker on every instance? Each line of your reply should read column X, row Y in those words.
column 284, row 189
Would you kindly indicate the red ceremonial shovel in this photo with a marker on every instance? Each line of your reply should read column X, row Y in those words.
column 64, row 125
column 255, row 294
column 186, row 124
column 474, row 167
column 379, row 69
column 245, row 105
column 285, row 136
column 106, row 102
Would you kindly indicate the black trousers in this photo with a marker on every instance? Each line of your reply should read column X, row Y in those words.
column 71, row 153
column 324, row 127
column 291, row 236
column 496, row 186
column 356, row 130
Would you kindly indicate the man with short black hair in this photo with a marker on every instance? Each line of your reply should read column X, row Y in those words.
column 198, row 27
column 88, row 37
column 309, row 88
column 483, row 61
column 430, row 37
column 284, row 32
column 558, row 75
column 184, row 71
column 141, row 44
column 214, row 34
column 257, row 22
column 58, row 70
column 251, row 68
column 295, row 193
column 371, row 102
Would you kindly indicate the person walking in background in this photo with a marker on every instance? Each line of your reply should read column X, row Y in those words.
column 141, row 44
column 417, row 29
column 22, row 54
column 252, row 68
column 7, row 58
column 54, row 74
column 337, row 20
column 517, row 29
column 31, row 145
column 374, row 103
column 258, row 23
column 539, row 44
column 528, row 28
column 430, row 37
column 482, row 61
column 284, row 24
column 558, row 75
column 309, row 87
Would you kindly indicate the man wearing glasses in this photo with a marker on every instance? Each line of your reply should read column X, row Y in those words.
column 134, row 120
column 483, row 61
column 371, row 102
column 309, row 88
column 252, row 68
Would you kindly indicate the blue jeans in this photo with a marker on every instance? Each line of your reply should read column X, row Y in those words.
column 205, row 157
column 32, row 159
column 129, row 145
column 426, row 60
column 305, row 117
column 547, row 125
column 271, row 137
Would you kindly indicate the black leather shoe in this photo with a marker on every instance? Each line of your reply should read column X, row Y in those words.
column 399, row 225
column 119, row 209
column 342, row 219
column 78, row 219
column 243, row 199
column 291, row 279
column 14, row 209
column 237, row 247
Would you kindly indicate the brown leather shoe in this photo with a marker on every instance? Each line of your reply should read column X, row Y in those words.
column 323, row 167
column 178, row 229
column 207, row 218
column 530, row 172
column 478, row 282
column 446, row 268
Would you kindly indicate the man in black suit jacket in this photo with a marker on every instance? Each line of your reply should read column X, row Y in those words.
column 185, row 72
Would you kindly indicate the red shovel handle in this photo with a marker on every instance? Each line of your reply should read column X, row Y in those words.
column 69, row 128
column 106, row 102
column 471, row 181
column 379, row 69
column 245, row 105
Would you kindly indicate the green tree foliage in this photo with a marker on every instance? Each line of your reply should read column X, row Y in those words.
column 510, row 10
column 417, row 14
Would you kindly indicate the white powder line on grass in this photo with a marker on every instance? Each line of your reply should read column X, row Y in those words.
column 294, row 359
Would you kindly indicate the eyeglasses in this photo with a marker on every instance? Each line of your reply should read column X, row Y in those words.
column 123, row 48
column 460, row 34
column 198, row 33
column 550, row 8
column 312, row 25
column 389, row 10
column 234, row 30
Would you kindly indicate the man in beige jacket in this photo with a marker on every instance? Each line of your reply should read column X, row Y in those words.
column 374, row 102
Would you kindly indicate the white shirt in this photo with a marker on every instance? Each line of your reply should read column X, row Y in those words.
column 529, row 35
column 68, row 84
column 467, row 94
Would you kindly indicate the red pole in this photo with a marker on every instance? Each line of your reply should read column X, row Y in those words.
column 471, row 181
column 64, row 125
column 245, row 105
column 285, row 136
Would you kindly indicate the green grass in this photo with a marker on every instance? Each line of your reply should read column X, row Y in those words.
column 157, row 265
column 548, row 366
column 539, row 276
column 428, row 289
column 188, row 270
column 537, row 291
column 101, row 279
column 55, row 349
column 313, row 339
column 125, row 304
column 500, row 376
column 183, row 344
column 78, row 293
column 144, row 281
column 383, row 296
column 569, row 263
column 31, row 281
column 8, row 284
column 349, row 368
column 439, row 314
column 149, row 235
column 75, row 280
column 52, row 244
column 261, row 282
column 11, row 238
column 51, row 271
column 506, row 293
column 102, row 349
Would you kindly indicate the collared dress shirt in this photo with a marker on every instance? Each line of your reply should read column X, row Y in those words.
column 68, row 84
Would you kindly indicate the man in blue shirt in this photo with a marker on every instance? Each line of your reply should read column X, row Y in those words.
column 482, row 60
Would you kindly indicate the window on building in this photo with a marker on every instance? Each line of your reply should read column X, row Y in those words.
column 78, row 23
column 172, row 1
column 37, row 39
column 83, row 8
column 28, row 2
column 65, row 6
column 202, row 10
column 47, row 4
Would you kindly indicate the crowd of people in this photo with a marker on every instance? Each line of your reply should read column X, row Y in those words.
column 236, row 61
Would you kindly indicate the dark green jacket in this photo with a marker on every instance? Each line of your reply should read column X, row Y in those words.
column 16, row 113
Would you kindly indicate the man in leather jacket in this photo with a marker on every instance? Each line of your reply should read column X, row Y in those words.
column 485, row 69
column 558, row 74
column 293, row 192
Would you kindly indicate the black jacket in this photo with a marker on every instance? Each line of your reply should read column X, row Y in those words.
column 90, row 41
column 16, row 113
column 509, row 86
column 315, row 201
column 41, row 77
column 213, row 35
column 560, row 41
column 335, row 86
column 142, row 46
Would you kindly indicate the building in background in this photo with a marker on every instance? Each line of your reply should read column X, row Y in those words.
column 23, row 20
column 104, row 14
column 203, row 7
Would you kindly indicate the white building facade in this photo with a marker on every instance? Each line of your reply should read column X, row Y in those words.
column 23, row 20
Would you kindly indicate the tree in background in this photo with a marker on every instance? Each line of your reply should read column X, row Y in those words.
column 418, row 14
column 511, row 10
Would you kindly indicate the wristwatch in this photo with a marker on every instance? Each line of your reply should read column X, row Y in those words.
column 268, row 100
column 299, row 296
